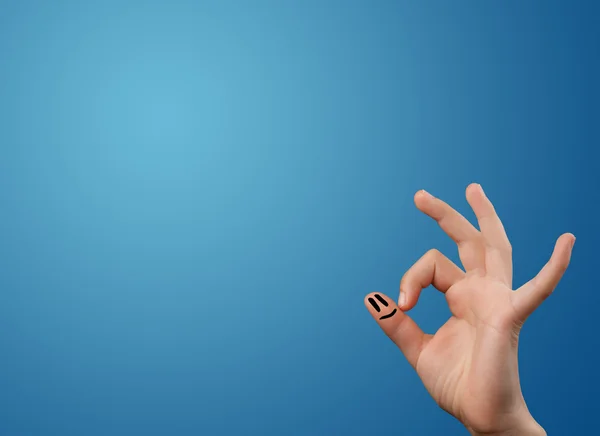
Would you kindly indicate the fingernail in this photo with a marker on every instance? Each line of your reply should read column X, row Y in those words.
column 402, row 299
column 427, row 194
column 573, row 241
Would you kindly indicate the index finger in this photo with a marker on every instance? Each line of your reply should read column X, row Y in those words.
column 460, row 230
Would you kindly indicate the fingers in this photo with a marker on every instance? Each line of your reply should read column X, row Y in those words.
column 400, row 328
column 498, row 251
column 529, row 296
column 456, row 226
column 432, row 269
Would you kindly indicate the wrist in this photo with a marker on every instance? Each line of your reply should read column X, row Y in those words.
column 525, row 427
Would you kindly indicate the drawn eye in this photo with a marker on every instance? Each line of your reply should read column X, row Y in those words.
column 374, row 304
column 381, row 300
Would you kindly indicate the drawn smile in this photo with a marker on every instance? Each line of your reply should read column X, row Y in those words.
column 385, row 303
column 389, row 315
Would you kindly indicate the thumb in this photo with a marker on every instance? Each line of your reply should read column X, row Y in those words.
column 400, row 328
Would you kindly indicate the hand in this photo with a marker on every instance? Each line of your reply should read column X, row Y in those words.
column 470, row 365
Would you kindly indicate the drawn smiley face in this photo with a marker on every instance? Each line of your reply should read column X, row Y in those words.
column 385, row 303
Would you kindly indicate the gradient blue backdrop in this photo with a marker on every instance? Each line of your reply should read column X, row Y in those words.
column 196, row 195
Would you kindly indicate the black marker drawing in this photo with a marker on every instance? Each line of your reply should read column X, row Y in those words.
column 381, row 300
column 389, row 315
column 385, row 303
column 374, row 304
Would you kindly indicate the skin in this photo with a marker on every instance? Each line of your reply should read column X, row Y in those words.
column 470, row 365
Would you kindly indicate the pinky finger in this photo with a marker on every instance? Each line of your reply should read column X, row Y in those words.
column 529, row 296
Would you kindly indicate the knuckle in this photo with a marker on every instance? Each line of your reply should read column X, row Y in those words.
column 563, row 266
column 401, row 325
column 547, row 292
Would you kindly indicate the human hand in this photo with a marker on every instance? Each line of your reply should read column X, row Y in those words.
column 470, row 365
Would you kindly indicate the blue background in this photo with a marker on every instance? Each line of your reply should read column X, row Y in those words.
column 196, row 195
